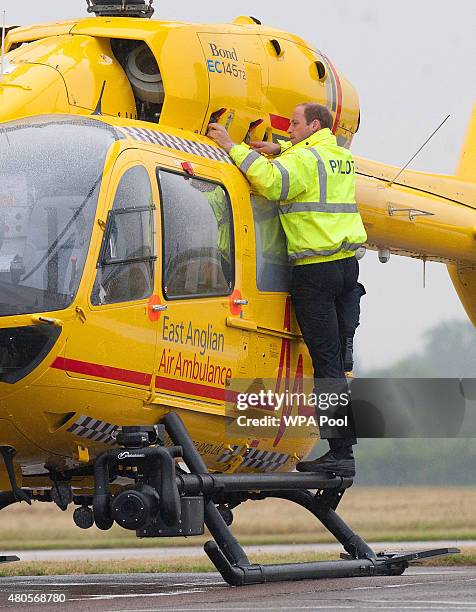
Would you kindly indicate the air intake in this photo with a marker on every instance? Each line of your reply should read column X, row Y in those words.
column 116, row 8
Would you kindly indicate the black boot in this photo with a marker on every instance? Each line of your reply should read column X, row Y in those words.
column 334, row 463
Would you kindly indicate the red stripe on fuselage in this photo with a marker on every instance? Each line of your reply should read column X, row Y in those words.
column 143, row 379
column 339, row 96
column 189, row 388
column 102, row 371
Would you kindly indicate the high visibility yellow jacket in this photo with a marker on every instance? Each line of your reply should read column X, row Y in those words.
column 314, row 183
column 219, row 205
column 267, row 223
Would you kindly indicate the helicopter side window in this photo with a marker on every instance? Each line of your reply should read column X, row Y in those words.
column 273, row 272
column 126, row 262
column 198, row 237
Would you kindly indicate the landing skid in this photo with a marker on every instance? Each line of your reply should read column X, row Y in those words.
column 228, row 556
column 9, row 559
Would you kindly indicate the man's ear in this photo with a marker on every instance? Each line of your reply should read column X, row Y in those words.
column 316, row 125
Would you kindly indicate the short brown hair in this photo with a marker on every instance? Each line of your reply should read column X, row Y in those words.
column 313, row 111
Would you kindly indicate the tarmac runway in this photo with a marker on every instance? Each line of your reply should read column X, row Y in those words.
column 419, row 588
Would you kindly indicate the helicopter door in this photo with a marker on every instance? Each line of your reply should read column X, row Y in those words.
column 116, row 342
column 198, row 353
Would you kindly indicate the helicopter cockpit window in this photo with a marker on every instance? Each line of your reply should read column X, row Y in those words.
column 126, row 262
column 198, row 237
column 273, row 272
column 51, row 170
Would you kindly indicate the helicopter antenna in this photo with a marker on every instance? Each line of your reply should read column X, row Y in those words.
column 98, row 109
column 4, row 27
column 422, row 146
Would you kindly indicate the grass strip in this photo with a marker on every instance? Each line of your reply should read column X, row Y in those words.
column 183, row 565
column 247, row 540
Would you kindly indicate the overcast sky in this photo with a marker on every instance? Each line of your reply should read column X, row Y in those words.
column 412, row 62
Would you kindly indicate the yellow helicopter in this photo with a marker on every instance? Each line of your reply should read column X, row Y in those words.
column 143, row 285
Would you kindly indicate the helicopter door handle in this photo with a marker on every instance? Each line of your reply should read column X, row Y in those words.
column 47, row 320
column 159, row 307
column 240, row 302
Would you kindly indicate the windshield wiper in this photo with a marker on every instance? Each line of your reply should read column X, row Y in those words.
column 56, row 242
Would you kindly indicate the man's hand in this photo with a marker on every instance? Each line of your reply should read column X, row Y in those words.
column 269, row 148
column 219, row 134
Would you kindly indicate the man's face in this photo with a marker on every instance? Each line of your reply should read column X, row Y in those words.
column 299, row 129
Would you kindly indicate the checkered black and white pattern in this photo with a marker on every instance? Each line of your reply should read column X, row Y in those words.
column 93, row 429
column 264, row 460
column 177, row 143
column 255, row 458
column 228, row 455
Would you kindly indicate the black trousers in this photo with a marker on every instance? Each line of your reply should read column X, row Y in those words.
column 326, row 298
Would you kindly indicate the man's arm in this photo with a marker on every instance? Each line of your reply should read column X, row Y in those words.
column 268, row 148
column 219, row 134
column 274, row 179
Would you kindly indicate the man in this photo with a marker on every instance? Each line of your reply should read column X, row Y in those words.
column 218, row 203
column 314, row 181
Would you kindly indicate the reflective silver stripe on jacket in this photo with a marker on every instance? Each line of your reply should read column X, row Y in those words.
column 265, row 214
column 249, row 159
column 321, row 168
column 345, row 246
column 294, row 207
column 285, row 180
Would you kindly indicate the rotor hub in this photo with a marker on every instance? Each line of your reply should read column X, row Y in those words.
column 121, row 8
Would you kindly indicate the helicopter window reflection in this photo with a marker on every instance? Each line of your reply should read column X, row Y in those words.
column 126, row 263
column 50, row 175
column 273, row 271
column 198, row 237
